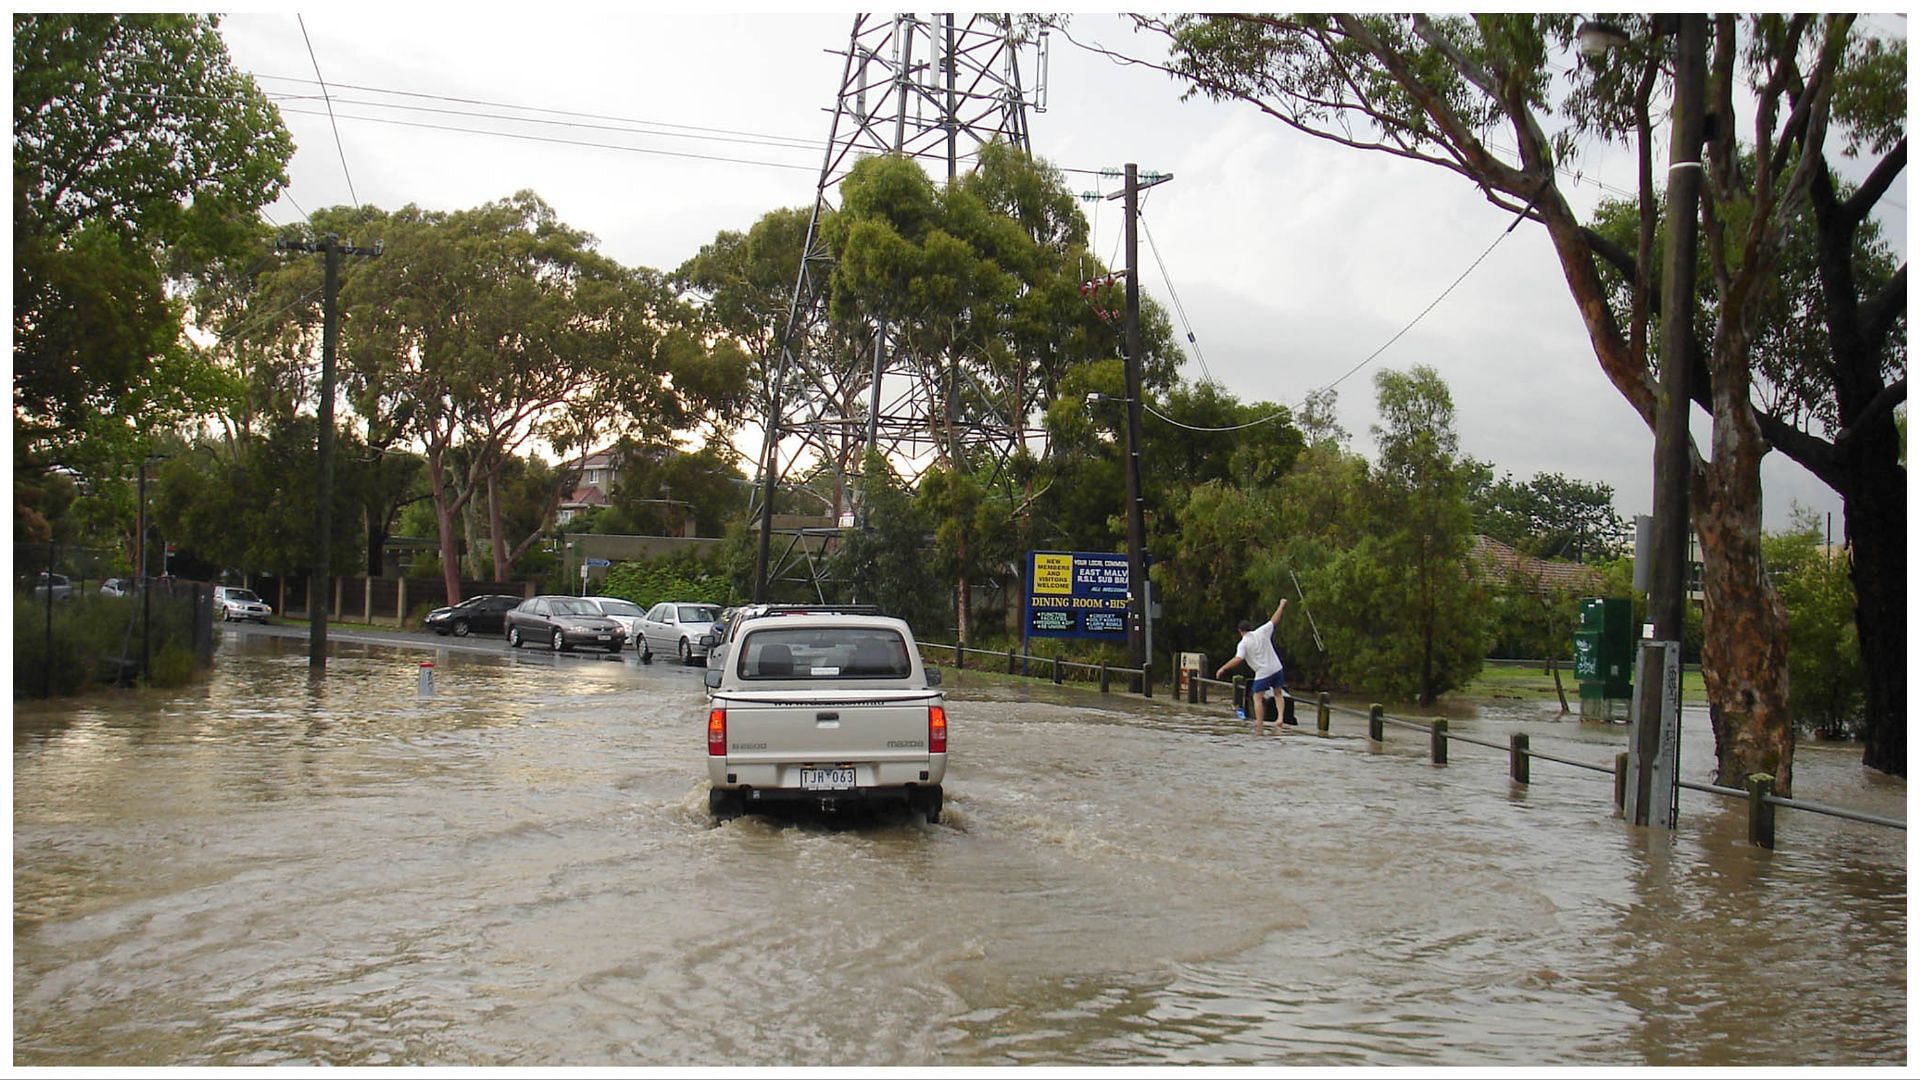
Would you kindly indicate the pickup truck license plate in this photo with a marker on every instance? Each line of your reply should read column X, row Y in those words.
column 836, row 779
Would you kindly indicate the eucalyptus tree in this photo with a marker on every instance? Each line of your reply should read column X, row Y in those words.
column 497, row 329
column 140, row 154
column 1430, row 89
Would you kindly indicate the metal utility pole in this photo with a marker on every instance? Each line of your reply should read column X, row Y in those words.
column 1137, row 639
column 932, row 88
column 321, row 575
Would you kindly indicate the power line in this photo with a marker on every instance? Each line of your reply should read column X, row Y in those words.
column 1205, row 372
column 336, row 125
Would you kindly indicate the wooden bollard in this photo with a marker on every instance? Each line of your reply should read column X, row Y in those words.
column 1376, row 729
column 1620, row 782
column 1193, row 686
column 1010, row 661
column 1240, row 696
column 1520, row 763
column 959, row 658
column 1760, row 811
column 1105, row 675
column 1325, row 718
column 1146, row 679
column 1056, row 671
column 1438, row 734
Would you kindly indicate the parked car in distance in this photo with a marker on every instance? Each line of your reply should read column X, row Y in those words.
column 824, row 707
column 114, row 586
column 562, row 623
column 716, row 636
column 474, row 615
column 679, row 629
column 240, row 605
column 625, row 612
column 57, row 584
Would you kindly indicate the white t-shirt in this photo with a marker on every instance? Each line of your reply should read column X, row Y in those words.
column 1256, row 648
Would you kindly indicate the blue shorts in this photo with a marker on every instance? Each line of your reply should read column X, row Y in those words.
column 1275, row 681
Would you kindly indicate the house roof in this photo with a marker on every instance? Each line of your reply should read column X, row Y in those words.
column 1546, row 574
column 584, row 496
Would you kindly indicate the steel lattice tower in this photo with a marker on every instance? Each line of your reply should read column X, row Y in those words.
column 929, row 88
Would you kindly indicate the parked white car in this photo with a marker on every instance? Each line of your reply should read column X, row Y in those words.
column 677, row 629
column 625, row 612
column 240, row 605
column 824, row 708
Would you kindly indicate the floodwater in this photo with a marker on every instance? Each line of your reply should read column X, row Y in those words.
column 520, row 871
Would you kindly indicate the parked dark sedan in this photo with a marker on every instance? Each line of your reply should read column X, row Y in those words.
column 474, row 615
column 562, row 623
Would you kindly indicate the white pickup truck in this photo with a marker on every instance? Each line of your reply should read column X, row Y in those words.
column 825, row 707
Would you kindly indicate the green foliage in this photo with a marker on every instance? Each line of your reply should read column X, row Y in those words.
column 1826, row 679
column 140, row 156
column 675, row 578
column 90, row 636
column 1550, row 516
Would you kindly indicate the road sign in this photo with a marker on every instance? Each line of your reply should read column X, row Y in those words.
column 599, row 562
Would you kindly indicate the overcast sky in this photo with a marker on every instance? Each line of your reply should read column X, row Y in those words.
column 1292, row 260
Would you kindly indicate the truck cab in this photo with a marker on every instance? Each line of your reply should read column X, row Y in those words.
column 825, row 707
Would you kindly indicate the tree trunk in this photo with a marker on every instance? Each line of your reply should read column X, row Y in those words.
column 496, row 528
column 1876, row 529
column 443, row 512
column 1744, row 658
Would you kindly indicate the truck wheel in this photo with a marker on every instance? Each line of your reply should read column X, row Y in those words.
column 723, row 804
column 927, row 800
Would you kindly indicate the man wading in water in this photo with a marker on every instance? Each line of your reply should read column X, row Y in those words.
column 1257, row 652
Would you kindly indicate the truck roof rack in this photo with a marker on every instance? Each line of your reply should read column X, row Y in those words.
column 757, row 610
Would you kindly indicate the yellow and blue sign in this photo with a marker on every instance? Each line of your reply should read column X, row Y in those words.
column 1077, row 594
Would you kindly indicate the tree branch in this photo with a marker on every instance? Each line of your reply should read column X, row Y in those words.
column 1882, row 404
column 1876, row 184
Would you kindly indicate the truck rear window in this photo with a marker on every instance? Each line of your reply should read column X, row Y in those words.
column 844, row 652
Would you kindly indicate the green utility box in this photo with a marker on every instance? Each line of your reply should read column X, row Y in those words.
column 1603, row 655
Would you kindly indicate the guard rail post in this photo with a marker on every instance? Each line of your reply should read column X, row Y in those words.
column 1376, row 727
column 1193, row 686
column 1438, row 734
column 1240, row 694
column 1105, row 675
column 1760, row 811
column 959, row 657
column 1325, row 718
column 1056, row 671
column 1520, row 765
column 1146, row 679
column 1009, row 661
column 1620, row 782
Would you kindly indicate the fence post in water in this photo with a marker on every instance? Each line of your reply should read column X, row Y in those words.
column 1146, row 678
column 959, row 657
column 1009, row 661
column 426, row 679
column 1620, row 782
column 1325, row 718
column 1056, row 671
column 1438, row 735
column 1240, row 694
column 1376, row 730
column 1760, row 811
column 1520, row 765
column 1105, row 677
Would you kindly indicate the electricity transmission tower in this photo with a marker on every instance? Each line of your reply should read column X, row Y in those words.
column 933, row 89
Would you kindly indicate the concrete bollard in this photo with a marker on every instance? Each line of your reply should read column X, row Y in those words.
column 1760, row 811
column 1438, row 734
column 1520, row 763
column 1376, row 729
column 426, row 678
column 1325, row 718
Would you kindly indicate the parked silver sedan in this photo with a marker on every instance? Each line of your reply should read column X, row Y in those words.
column 625, row 612
column 678, row 629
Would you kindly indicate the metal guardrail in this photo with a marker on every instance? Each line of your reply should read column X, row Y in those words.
column 1758, row 794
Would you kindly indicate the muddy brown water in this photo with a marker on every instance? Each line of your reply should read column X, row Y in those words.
column 520, row 870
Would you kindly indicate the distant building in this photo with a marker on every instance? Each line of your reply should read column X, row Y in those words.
column 599, row 476
column 1547, row 575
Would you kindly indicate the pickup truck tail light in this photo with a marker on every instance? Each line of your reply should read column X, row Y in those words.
column 717, row 732
column 936, row 728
